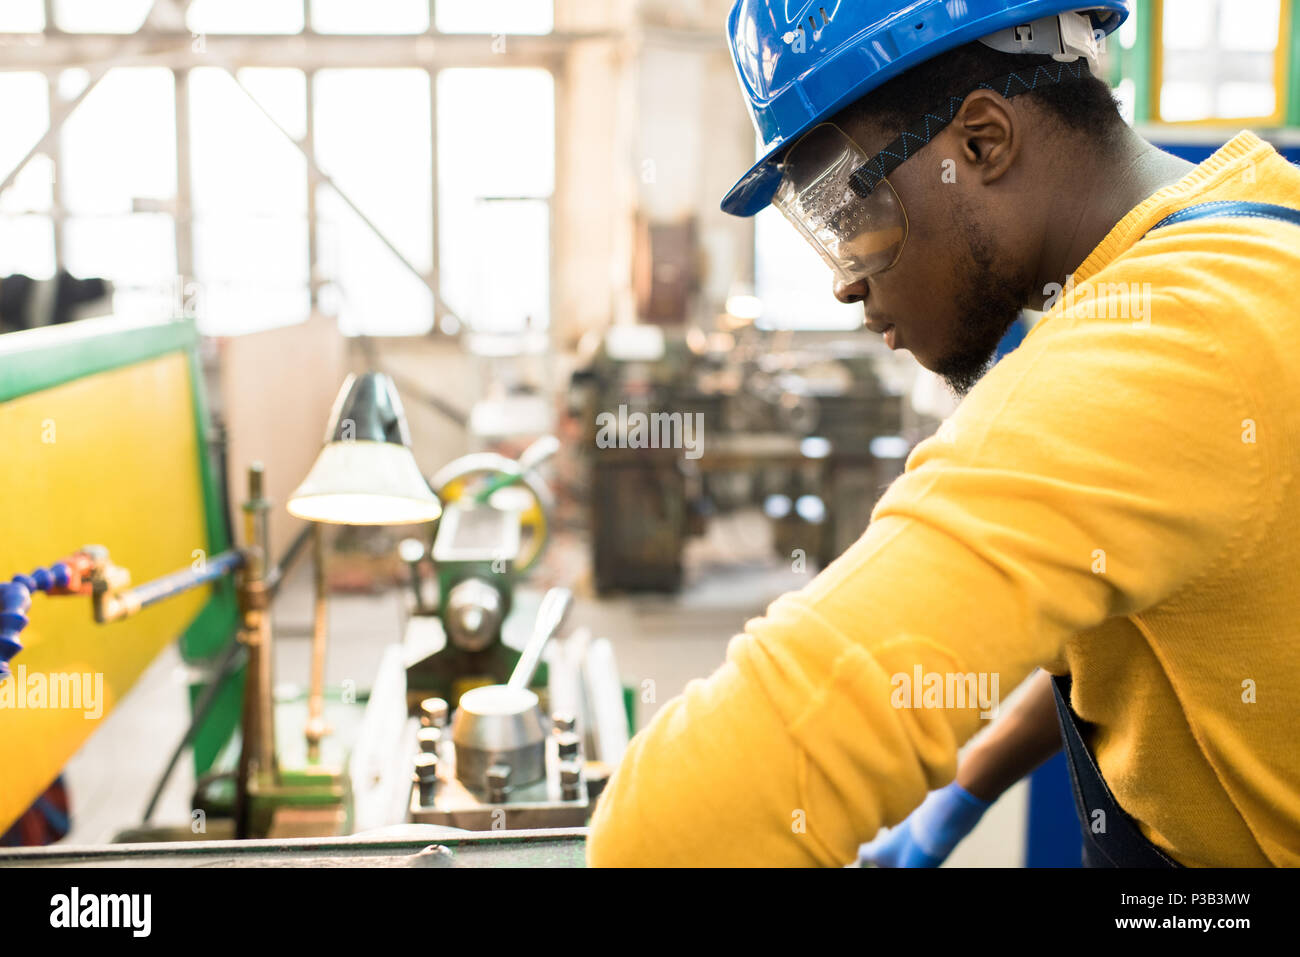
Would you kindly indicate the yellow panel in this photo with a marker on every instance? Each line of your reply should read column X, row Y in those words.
column 111, row 459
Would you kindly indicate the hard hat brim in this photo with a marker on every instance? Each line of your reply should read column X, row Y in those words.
column 754, row 191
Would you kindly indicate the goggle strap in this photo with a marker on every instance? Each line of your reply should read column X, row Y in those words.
column 867, row 177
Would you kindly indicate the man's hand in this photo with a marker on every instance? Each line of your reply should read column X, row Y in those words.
column 929, row 834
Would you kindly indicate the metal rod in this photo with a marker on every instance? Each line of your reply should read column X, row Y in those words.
column 183, row 221
column 555, row 605
column 532, row 457
column 227, row 665
column 257, row 755
column 314, row 281
column 316, row 728
column 276, row 576
column 174, row 49
column 151, row 593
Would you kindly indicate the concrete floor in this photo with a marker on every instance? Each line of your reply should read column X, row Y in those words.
column 669, row 639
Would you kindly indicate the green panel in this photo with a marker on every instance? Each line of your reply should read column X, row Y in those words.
column 212, row 736
column 215, row 627
column 1140, row 61
column 1293, row 70
column 629, row 707
column 37, row 359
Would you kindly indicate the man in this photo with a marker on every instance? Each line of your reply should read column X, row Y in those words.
column 1115, row 501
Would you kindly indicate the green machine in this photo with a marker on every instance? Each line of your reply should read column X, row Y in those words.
column 493, row 531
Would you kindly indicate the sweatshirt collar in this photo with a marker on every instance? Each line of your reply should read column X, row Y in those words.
column 1225, row 163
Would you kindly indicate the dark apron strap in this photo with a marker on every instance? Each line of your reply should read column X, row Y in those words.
column 1121, row 843
column 1231, row 209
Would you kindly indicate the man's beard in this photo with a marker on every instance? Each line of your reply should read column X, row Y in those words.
column 991, row 302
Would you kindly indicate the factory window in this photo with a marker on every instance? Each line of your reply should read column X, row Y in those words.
column 1217, row 61
column 27, row 234
column 27, row 114
column 229, row 239
column 119, row 146
column 96, row 16
column 373, row 16
column 118, row 184
column 495, row 183
column 245, row 16
column 249, row 188
column 384, row 167
column 498, row 17
column 22, row 16
column 792, row 283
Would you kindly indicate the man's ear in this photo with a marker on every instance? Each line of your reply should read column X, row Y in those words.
column 988, row 128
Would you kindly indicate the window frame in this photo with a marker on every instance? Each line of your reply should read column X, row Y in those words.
column 430, row 51
column 1283, row 69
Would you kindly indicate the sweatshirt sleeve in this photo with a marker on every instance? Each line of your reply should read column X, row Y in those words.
column 1095, row 472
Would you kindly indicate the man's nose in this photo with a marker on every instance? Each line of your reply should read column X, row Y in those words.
column 847, row 292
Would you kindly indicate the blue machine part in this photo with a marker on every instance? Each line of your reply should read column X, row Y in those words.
column 216, row 567
column 16, row 601
column 1052, row 837
column 16, row 596
column 1198, row 153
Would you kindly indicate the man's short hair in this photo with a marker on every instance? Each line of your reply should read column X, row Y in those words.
column 1086, row 105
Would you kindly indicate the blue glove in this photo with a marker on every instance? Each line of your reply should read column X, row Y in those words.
column 930, row 832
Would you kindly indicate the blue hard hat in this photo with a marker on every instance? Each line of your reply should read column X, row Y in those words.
column 802, row 61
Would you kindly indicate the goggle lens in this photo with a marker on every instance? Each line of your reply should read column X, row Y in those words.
column 858, row 235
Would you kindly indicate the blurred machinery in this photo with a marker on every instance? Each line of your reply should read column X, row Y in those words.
column 464, row 725
column 492, row 532
column 486, row 753
column 810, row 436
column 499, row 767
column 27, row 303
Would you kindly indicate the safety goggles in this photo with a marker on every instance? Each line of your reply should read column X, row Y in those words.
column 858, row 230
column 841, row 200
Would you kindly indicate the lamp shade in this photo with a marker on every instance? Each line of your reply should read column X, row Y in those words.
column 366, row 474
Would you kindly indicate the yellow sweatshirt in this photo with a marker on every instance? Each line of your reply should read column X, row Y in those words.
column 1117, row 499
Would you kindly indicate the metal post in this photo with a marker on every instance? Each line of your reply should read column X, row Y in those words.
column 314, row 281
column 183, row 214
column 257, row 756
column 316, row 726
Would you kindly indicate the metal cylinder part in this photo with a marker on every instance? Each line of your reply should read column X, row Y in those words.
column 496, row 725
column 498, row 781
column 570, row 780
column 474, row 613
column 502, row 724
column 429, row 739
column 433, row 713
column 570, row 745
column 426, row 777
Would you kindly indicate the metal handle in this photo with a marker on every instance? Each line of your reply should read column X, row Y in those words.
column 555, row 605
column 533, row 456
